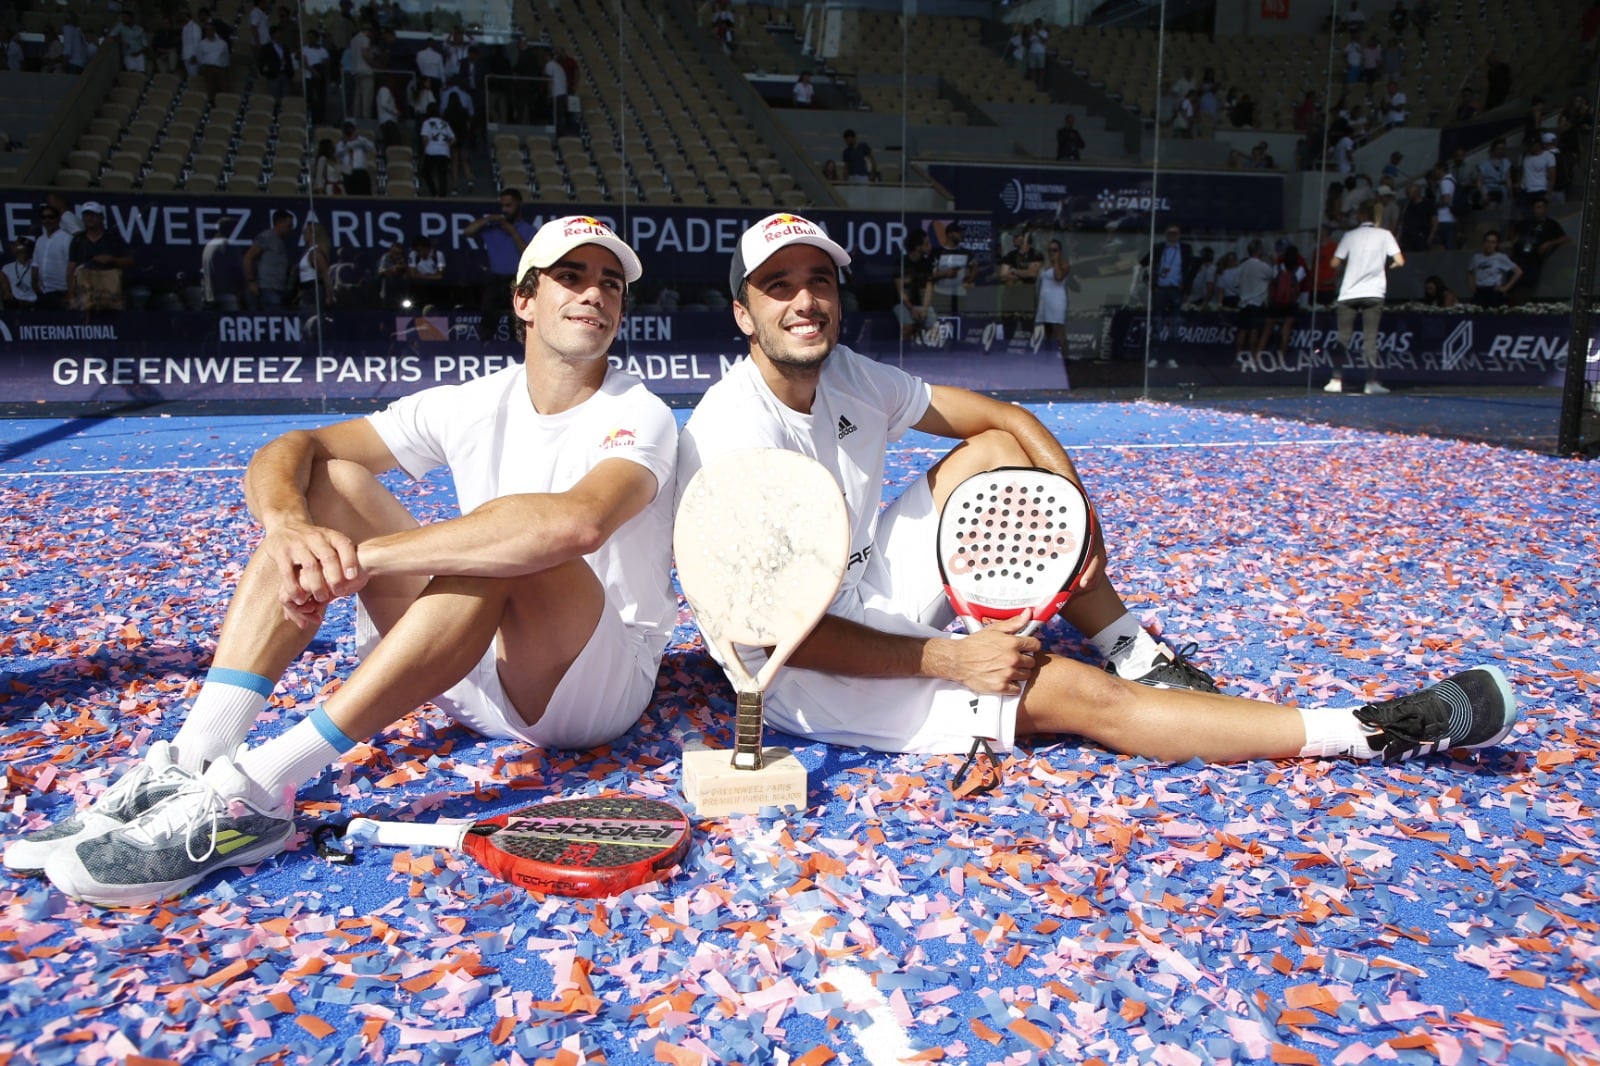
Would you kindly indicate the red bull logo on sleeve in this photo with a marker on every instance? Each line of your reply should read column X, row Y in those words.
column 619, row 438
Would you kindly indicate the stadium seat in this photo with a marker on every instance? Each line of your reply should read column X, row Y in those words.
column 73, row 178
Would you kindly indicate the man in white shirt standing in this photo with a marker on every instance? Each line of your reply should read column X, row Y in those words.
column 51, row 254
column 1538, row 168
column 437, row 140
column 558, row 92
column 1366, row 254
column 193, row 30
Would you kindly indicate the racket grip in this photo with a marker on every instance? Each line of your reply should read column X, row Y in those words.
column 409, row 834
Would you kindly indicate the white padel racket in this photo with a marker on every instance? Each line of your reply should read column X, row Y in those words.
column 1014, row 541
column 761, row 539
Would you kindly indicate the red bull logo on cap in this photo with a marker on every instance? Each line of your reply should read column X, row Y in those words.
column 780, row 226
column 619, row 438
column 579, row 225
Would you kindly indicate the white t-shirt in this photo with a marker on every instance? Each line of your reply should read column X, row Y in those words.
column 558, row 78
column 429, row 264
column 261, row 24
column 1255, row 280
column 1490, row 271
column 437, row 136
column 20, row 276
column 859, row 408
column 51, row 254
column 1366, row 251
column 804, row 93
column 1536, row 171
column 495, row 444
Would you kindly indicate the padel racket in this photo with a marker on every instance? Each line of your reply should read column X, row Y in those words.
column 1014, row 541
column 589, row 847
column 761, row 540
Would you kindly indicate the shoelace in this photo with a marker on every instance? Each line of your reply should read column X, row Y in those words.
column 183, row 811
column 1180, row 662
column 1405, row 718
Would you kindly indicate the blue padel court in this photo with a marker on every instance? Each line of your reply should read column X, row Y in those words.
column 1096, row 908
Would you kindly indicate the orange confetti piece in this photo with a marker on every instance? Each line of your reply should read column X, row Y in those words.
column 1283, row 1053
column 314, row 1025
column 1033, row 1034
column 1526, row 978
column 817, row 1056
column 983, row 1032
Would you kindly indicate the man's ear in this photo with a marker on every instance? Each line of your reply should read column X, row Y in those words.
column 741, row 315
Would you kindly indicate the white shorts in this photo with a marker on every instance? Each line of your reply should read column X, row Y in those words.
column 901, row 594
column 602, row 695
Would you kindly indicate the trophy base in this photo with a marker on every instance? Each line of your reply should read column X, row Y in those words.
column 716, row 789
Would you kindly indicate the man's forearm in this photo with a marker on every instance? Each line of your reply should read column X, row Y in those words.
column 506, row 537
column 850, row 649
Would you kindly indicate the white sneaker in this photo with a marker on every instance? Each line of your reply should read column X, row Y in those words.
column 141, row 788
column 209, row 825
column 1334, row 385
column 1374, row 388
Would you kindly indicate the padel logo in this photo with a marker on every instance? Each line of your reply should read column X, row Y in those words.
column 1011, row 195
column 1457, row 346
column 619, row 438
column 1131, row 199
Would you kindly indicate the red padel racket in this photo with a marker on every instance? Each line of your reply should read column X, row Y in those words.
column 590, row 847
column 1014, row 541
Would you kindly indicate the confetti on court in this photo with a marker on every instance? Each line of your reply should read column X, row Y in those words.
column 1097, row 909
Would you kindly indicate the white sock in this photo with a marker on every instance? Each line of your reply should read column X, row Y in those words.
column 280, row 766
column 1335, row 733
column 1127, row 647
column 228, row 705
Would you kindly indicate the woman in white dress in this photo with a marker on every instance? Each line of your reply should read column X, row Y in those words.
column 1051, row 313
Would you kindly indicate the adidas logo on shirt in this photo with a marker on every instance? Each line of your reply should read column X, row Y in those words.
column 846, row 427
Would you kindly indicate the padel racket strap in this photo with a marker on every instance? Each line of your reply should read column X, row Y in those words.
column 979, row 773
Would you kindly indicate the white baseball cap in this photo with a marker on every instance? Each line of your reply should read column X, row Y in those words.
column 775, row 232
column 91, row 205
column 561, row 235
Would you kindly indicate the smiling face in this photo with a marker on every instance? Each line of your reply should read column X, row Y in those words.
column 791, row 309
column 574, row 310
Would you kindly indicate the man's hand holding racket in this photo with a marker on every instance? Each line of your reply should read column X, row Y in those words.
column 994, row 660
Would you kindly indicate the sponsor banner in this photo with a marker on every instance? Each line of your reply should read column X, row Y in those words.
column 187, row 356
column 1091, row 198
column 174, row 238
column 1509, row 349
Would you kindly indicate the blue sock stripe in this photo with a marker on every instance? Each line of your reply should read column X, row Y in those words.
column 328, row 731
column 261, row 686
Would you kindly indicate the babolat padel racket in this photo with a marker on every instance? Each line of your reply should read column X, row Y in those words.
column 590, row 847
column 1012, row 541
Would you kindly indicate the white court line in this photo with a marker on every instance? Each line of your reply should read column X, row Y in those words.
column 1317, row 442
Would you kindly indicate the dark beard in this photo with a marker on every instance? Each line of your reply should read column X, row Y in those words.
column 789, row 366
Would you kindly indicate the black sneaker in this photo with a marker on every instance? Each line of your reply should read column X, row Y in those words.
column 1474, row 709
column 1175, row 671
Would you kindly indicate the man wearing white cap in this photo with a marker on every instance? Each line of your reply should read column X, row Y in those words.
column 879, row 671
column 538, row 615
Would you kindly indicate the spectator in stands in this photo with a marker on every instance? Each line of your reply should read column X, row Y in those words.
column 360, row 76
column 1324, row 278
column 1352, row 60
column 914, row 285
column 275, row 63
column 1260, row 159
column 1421, row 18
column 1443, row 186
column 1538, row 173
column 1399, row 18
column 1435, row 293
column 74, row 45
column 562, row 70
column 1069, row 141
column 314, row 62
column 1344, row 151
column 1038, row 51
column 1051, row 312
column 1574, row 126
column 386, row 105
column 859, row 165
column 339, row 27
column 1355, row 19
column 267, row 276
column 1255, row 285
column 260, row 20
column 1172, row 265
column 1394, row 58
column 803, row 92
column 1533, row 124
column 213, row 57
column 1534, row 240
column 135, row 42
column 430, row 62
column 503, row 236
column 1365, row 255
column 1305, row 112
column 456, row 47
column 1396, row 106
column 457, row 109
column 1491, row 273
column 96, row 263
column 1418, row 218
column 438, row 139
column 52, row 252
column 315, row 282
column 1467, row 108
column 1371, row 59
column 1389, row 210
column 355, row 154
column 1186, row 114
column 1242, row 112
column 1203, row 289
column 19, row 279
column 1018, row 272
column 286, row 21
column 724, row 24
column 1494, row 176
column 421, row 94
column 953, row 265
column 1391, row 173
column 194, row 29
column 11, row 54
column 1289, row 279
column 326, row 177
column 425, row 269
column 1497, row 75
column 394, row 273
column 1227, row 294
